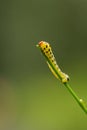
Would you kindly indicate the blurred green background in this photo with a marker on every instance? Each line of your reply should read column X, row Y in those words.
column 30, row 96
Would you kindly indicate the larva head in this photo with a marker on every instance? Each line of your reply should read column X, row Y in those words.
column 45, row 48
column 43, row 45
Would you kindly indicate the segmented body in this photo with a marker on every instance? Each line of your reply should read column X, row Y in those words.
column 51, row 61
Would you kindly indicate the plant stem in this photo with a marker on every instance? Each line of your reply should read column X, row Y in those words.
column 79, row 101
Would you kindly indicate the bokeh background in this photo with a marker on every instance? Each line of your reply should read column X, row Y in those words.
column 31, row 98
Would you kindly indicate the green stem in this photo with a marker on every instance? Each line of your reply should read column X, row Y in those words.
column 79, row 101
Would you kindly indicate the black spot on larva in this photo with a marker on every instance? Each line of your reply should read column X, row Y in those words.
column 46, row 46
column 52, row 60
column 46, row 51
column 67, row 78
column 51, row 56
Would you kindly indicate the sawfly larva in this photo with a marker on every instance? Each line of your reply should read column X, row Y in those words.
column 51, row 61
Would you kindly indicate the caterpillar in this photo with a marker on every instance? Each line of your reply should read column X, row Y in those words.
column 51, row 61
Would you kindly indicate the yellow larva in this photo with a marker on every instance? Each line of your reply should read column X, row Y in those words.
column 51, row 61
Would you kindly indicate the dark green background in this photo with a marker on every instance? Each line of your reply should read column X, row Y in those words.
column 30, row 97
